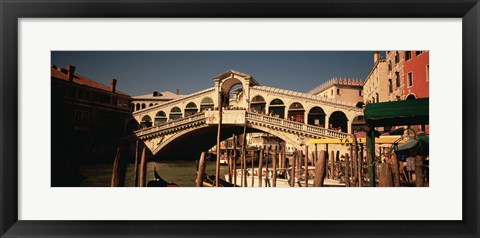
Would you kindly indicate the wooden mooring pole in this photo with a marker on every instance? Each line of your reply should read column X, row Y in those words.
column 306, row 166
column 396, row 170
column 358, row 160
column 320, row 170
column 116, row 170
column 201, row 170
column 292, row 177
column 217, row 165
column 235, row 159
column 274, row 165
column 143, row 169
column 419, row 176
column 347, row 170
column 135, row 181
column 253, row 159
column 267, row 156
column 260, row 164
column 385, row 179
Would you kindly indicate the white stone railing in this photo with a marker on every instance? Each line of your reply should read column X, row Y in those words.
column 298, row 126
column 291, row 125
column 172, row 124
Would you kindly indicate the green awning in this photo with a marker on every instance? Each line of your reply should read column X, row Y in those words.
column 421, row 145
column 398, row 113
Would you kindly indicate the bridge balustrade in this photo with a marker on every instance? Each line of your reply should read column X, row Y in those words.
column 172, row 124
column 296, row 125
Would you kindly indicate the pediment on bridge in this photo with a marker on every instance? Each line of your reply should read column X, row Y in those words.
column 235, row 74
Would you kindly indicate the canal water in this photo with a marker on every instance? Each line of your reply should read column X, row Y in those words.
column 182, row 173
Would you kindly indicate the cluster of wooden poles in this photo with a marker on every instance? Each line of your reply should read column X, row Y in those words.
column 325, row 165
column 120, row 165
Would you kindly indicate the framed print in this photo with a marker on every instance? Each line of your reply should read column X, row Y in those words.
column 165, row 52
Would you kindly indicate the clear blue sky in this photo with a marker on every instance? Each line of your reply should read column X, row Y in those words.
column 142, row 72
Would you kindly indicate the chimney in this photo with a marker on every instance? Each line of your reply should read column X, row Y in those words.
column 376, row 56
column 70, row 72
column 113, row 85
column 178, row 91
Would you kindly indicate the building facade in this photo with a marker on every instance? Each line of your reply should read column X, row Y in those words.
column 375, row 86
column 396, row 64
column 417, row 75
column 348, row 90
column 152, row 99
column 87, row 117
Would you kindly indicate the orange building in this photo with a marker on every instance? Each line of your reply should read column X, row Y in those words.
column 416, row 75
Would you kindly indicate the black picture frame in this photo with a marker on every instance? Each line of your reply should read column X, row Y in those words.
column 11, row 11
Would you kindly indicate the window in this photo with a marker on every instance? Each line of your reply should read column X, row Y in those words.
column 360, row 92
column 338, row 91
column 397, row 57
column 428, row 72
column 331, row 92
column 397, row 79
column 418, row 52
column 389, row 65
column 390, row 86
column 410, row 79
column 408, row 55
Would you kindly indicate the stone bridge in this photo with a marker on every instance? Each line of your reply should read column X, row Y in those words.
column 190, row 122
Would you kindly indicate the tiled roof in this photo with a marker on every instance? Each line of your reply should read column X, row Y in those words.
column 163, row 95
column 61, row 73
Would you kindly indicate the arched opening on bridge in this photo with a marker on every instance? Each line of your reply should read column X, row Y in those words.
column 160, row 118
column 137, row 106
column 150, row 105
column 276, row 108
column 132, row 126
column 143, row 105
column 232, row 92
column 175, row 113
column 316, row 116
column 411, row 96
column 191, row 109
column 206, row 103
column 338, row 120
column 146, row 122
column 258, row 104
column 358, row 124
column 296, row 112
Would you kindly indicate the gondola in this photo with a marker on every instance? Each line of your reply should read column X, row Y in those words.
column 159, row 181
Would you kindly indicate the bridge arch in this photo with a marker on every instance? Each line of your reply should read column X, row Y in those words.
column 160, row 118
column 277, row 107
column 206, row 103
column 258, row 104
column 146, row 121
column 190, row 109
column 338, row 119
column 206, row 138
column 316, row 116
column 357, row 123
column 175, row 113
column 296, row 112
